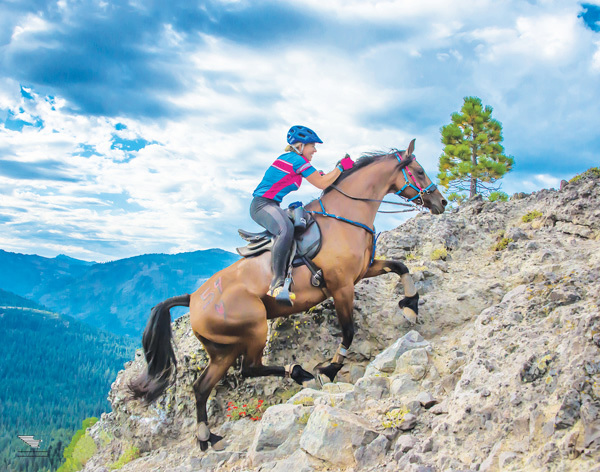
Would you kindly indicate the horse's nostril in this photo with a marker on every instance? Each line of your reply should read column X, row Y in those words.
column 444, row 202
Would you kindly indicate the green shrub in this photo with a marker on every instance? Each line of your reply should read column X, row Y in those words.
column 502, row 244
column 456, row 198
column 441, row 253
column 80, row 449
column 532, row 215
column 593, row 171
column 498, row 197
column 128, row 455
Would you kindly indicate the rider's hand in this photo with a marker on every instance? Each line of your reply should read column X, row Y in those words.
column 345, row 163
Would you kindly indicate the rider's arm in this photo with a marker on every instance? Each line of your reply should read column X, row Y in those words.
column 323, row 181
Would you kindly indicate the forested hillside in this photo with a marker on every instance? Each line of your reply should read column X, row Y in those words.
column 55, row 372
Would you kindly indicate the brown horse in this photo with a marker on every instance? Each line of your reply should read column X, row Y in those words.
column 229, row 312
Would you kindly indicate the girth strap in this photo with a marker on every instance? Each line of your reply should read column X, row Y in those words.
column 317, row 274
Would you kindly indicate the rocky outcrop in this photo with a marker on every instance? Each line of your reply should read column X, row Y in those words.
column 501, row 372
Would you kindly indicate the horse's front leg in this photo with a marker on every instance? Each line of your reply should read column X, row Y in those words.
column 410, row 302
column 343, row 298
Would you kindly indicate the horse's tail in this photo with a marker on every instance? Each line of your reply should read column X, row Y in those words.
column 158, row 349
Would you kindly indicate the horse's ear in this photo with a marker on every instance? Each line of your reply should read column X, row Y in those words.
column 411, row 148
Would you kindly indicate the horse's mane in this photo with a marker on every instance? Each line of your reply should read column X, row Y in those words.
column 365, row 160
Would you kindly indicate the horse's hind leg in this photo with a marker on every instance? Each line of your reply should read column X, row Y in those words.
column 252, row 365
column 221, row 358
column 410, row 302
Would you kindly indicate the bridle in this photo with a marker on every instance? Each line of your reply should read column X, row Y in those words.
column 420, row 191
column 415, row 203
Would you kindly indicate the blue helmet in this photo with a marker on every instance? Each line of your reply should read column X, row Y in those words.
column 302, row 134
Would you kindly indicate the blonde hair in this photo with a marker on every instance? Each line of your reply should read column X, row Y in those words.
column 293, row 148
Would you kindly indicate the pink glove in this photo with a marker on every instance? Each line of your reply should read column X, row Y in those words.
column 346, row 163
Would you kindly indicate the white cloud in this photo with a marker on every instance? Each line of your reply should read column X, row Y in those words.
column 190, row 188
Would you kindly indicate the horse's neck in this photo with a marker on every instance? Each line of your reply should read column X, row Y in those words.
column 373, row 182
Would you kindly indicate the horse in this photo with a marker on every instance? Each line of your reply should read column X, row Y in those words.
column 229, row 312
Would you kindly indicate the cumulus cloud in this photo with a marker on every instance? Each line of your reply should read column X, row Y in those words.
column 136, row 127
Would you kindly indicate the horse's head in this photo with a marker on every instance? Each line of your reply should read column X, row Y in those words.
column 414, row 184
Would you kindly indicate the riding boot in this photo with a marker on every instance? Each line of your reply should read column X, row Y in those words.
column 280, row 286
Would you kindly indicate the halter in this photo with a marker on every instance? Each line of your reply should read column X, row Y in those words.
column 420, row 191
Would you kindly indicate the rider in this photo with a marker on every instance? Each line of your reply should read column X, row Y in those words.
column 282, row 177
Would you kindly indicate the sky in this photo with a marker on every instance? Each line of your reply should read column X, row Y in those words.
column 137, row 127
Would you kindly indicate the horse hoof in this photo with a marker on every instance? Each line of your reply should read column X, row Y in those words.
column 409, row 315
column 217, row 442
column 300, row 375
column 203, row 433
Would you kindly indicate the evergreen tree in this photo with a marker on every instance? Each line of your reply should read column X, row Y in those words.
column 473, row 157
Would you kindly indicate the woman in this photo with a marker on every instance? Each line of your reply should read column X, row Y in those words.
column 282, row 177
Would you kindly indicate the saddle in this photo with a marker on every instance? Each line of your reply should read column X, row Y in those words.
column 307, row 242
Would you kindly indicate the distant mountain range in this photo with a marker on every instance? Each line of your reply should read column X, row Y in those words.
column 116, row 296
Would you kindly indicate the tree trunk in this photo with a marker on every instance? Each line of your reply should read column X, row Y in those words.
column 473, row 179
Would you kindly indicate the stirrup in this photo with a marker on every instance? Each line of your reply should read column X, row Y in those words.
column 282, row 295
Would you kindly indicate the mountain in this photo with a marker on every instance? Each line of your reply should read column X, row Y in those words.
column 116, row 296
column 27, row 275
column 56, row 371
column 9, row 299
column 500, row 372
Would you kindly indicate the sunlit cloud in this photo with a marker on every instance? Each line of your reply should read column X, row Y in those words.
column 131, row 128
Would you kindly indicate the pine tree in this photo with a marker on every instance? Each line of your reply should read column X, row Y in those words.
column 473, row 157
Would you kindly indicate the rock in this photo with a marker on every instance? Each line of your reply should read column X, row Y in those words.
column 372, row 453
column 278, row 433
column 490, row 463
column 408, row 422
column 403, row 386
column 507, row 458
column 426, row 400
column 516, row 234
column 299, row 461
column 372, row 387
column 404, row 443
column 568, row 413
column 334, row 435
column 386, row 360
column 414, row 363
column 338, row 387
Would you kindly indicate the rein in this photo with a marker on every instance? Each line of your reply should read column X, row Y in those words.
column 346, row 220
column 413, row 205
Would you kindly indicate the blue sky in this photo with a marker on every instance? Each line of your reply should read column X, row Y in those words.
column 141, row 126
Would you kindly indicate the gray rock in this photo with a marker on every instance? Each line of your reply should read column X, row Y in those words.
column 409, row 422
column 372, row 387
column 413, row 362
column 426, row 399
column 278, row 434
column 299, row 461
column 403, row 386
column 372, row 453
column 334, row 435
column 386, row 360
column 568, row 413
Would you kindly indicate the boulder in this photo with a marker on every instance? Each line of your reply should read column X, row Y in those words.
column 334, row 435
column 278, row 434
column 386, row 360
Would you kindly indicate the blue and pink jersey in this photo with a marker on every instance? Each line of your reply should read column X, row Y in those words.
column 284, row 176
